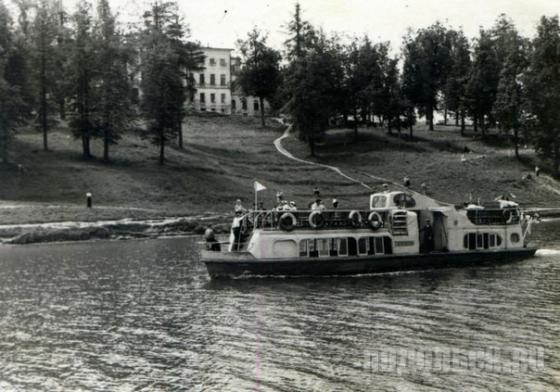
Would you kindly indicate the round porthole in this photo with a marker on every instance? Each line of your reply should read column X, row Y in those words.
column 514, row 238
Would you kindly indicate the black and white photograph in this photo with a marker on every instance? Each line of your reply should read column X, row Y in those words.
column 278, row 196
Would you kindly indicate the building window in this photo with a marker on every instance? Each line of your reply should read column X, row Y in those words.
column 212, row 98
column 233, row 104
column 256, row 105
column 201, row 79
column 244, row 104
column 223, row 62
column 202, row 98
column 222, row 80
column 212, row 80
column 223, row 98
column 212, row 61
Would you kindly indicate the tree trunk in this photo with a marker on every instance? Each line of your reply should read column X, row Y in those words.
column 445, row 115
column 430, row 116
column 355, row 126
column 389, row 126
column 43, row 99
column 410, row 129
column 85, row 146
column 483, row 127
column 62, row 109
column 106, row 145
column 4, row 145
column 457, row 118
column 556, row 158
column 180, row 135
column 463, row 123
column 261, row 100
column 475, row 123
column 161, row 147
column 516, row 142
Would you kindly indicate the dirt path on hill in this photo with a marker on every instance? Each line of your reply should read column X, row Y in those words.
column 280, row 148
column 287, row 154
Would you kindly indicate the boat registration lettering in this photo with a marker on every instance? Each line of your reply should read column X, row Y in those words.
column 404, row 243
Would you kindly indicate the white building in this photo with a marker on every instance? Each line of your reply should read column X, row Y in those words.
column 216, row 90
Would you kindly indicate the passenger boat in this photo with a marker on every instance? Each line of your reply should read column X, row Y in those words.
column 401, row 230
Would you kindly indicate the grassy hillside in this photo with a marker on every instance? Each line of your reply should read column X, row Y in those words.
column 222, row 158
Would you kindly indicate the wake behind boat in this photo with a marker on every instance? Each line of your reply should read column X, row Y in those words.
column 399, row 231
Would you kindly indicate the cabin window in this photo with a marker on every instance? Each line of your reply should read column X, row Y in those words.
column 379, row 202
column 342, row 247
column 371, row 247
column 363, row 245
column 479, row 241
column 379, row 245
column 485, row 236
column 333, row 247
column 404, row 200
column 323, row 247
column 387, row 245
column 303, row 248
column 515, row 238
column 285, row 248
column 492, row 240
column 312, row 245
column 498, row 240
column 352, row 247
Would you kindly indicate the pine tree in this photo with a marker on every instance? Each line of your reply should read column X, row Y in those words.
column 113, row 112
column 82, row 72
column 166, row 56
column 15, row 93
column 45, row 30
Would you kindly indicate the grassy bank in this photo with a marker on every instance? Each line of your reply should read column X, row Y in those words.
column 224, row 155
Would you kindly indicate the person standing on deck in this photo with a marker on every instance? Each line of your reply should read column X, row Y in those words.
column 427, row 237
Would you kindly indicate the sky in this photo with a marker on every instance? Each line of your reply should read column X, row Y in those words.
column 219, row 23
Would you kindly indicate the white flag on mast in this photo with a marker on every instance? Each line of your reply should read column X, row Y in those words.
column 258, row 186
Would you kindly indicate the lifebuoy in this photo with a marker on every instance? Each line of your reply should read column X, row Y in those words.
column 316, row 220
column 287, row 221
column 355, row 219
column 375, row 221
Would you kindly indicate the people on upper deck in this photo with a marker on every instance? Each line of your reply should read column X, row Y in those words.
column 236, row 229
column 318, row 205
column 293, row 206
column 406, row 181
column 239, row 207
column 334, row 203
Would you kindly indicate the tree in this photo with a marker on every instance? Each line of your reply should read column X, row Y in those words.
column 165, row 58
column 14, row 84
column 508, row 107
column 301, row 33
column 483, row 81
column 260, row 75
column 113, row 113
column 45, row 31
column 318, row 92
column 543, row 90
column 427, row 63
column 455, row 87
column 82, row 71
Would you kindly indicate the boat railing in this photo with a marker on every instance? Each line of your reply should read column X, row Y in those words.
column 330, row 219
column 494, row 216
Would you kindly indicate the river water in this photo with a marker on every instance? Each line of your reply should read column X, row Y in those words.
column 144, row 316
